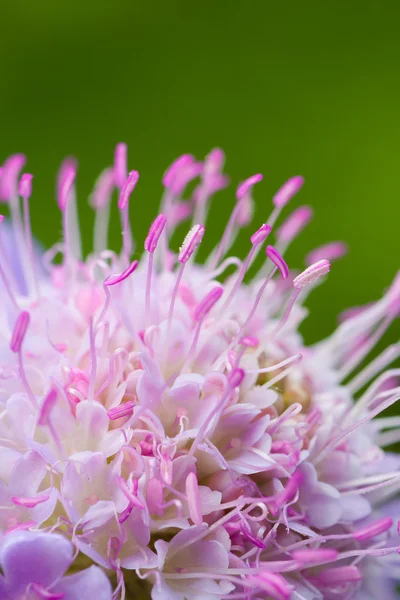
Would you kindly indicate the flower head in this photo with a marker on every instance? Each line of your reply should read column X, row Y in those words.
column 163, row 418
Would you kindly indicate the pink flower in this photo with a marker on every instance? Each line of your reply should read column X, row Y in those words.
column 163, row 417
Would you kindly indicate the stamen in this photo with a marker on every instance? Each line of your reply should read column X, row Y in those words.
column 25, row 191
column 19, row 331
column 287, row 191
column 294, row 225
column 155, row 497
column 207, row 303
column 256, row 240
column 339, row 576
column 372, row 530
column 150, row 245
column 307, row 277
column 331, row 251
column 120, row 165
column 311, row 274
column 243, row 195
column 47, row 407
column 315, row 556
column 234, row 381
column 100, row 201
column 9, row 176
column 194, row 504
column 123, row 205
column 378, row 364
column 172, row 171
column 114, row 279
column 29, row 502
column 278, row 261
column 190, row 243
column 128, row 493
column 123, row 410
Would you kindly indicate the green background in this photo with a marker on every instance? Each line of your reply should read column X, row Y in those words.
column 285, row 88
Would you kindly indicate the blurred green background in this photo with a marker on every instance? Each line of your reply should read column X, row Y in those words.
column 285, row 88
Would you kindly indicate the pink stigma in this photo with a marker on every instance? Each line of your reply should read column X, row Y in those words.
column 114, row 279
column 180, row 163
column 127, row 189
column 236, row 377
column 295, row 223
column 9, row 177
column 245, row 187
column 103, row 189
column 278, row 261
column 261, row 234
column 65, row 186
column 25, row 186
column 47, row 407
column 287, row 191
column 155, row 232
column 207, row 303
column 190, row 243
column 331, row 251
column 311, row 274
column 194, row 504
column 315, row 556
column 120, row 164
column 29, row 502
column 19, row 332
column 380, row 526
column 123, row 410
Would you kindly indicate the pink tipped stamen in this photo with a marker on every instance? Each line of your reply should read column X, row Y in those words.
column 127, row 190
column 103, row 189
column 184, row 176
column 155, row 496
column 331, row 251
column 120, row 165
column 172, row 172
column 235, row 220
column 150, row 245
column 191, row 243
column 123, row 205
column 339, row 576
column 100, row 201
column 123, row 410
column 273, row 584
column 256, row 240
column 278, row 261
column 29, row 502
column 66, row 182
column 25, row 191
column 115, row 279
column 317, row 556
column 130, row 495
column 287, row 191
column 246, row 187
column 294, row 224
column 47, row 406
column 25, row 186
column 372, row 530
column 19, row 331
column 193, row 497
column 311, row 274
column 154, row 234
column 207, row 304
column 9, row 177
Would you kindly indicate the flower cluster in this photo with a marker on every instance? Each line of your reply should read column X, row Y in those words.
column 162, row 420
